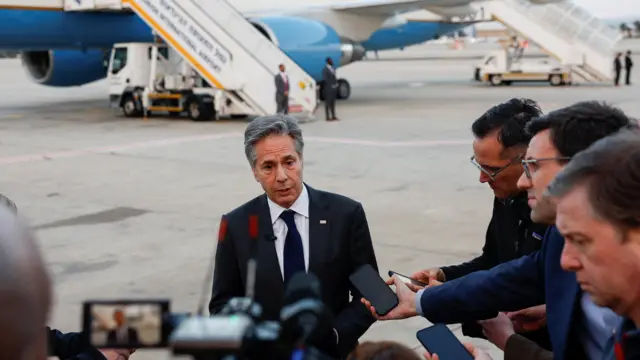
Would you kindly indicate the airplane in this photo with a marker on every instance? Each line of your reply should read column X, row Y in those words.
column 61, row 48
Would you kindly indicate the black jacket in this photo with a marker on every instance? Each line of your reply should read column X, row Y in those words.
column 72, row 346
column 510, row 235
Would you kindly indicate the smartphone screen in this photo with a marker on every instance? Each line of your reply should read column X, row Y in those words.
column 407, row 279
column 126, row 324
column 438, row 339
column 373, row 288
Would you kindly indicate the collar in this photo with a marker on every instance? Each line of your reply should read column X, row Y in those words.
column 300, row 206
column 627, row 341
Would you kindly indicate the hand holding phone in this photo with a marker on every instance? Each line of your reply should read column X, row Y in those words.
column 438, row 339
column 407, row 280
column 369, row 283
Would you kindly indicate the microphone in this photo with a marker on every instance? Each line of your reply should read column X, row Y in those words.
column 252, row 265
column 271, row 237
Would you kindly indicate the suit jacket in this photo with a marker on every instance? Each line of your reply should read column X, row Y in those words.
column 330, row 82
column 532, row 280
column 281, row 86
column 132, row 337
column 71, row 346
column 336, row 249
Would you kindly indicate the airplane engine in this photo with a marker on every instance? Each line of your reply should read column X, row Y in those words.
column 308, row 42
column 63, row 68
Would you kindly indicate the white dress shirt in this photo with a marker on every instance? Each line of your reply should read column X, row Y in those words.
column 301, row 218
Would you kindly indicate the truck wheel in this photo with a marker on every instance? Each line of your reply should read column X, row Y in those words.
column 555, row 80
column 496, row 80
column 130, row 107
column 200, row 110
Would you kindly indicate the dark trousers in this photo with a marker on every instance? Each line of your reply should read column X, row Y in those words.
column 628, row 77
column 282, row 103
column 617, row 77
column 330, row 106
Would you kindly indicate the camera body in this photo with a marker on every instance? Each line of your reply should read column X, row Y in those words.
column 237, row 332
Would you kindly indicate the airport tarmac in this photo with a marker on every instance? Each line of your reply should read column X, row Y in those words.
column 129, row 208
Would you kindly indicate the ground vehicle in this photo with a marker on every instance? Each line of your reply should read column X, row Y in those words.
column 151, row 77
column 503, row 67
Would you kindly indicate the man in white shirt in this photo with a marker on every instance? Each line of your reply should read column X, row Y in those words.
column 300, row 229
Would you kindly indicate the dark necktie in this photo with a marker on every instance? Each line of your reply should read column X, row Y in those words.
column 293, row 254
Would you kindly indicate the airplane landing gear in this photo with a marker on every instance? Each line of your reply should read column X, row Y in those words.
column 344, row 90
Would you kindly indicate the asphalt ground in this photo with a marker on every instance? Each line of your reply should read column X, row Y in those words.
column 130, row 207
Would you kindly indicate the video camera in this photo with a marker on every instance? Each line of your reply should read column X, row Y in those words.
column 238, row 332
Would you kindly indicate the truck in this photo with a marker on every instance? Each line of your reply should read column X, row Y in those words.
column 151, row 78
column 505, row 66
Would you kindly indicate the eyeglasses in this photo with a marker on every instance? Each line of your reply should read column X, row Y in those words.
column 527, row 170
column 492, row 172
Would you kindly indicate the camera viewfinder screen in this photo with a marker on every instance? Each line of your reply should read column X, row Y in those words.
column 126, row 326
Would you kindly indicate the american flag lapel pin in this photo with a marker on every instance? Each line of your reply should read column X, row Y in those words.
column 323, row 222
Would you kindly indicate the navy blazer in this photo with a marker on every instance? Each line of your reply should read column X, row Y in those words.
column 531, row 280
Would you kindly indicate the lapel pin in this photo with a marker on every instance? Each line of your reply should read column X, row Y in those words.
column 322, row 222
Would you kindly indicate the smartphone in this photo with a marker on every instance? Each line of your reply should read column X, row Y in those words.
column 373, row 288
column 126, row 324
column 438, row 339
column 407, row 279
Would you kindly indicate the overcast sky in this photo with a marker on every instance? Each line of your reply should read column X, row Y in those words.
column 612, row 8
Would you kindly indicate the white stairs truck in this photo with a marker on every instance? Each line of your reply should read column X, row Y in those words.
column 223, row 48
column 572, row 35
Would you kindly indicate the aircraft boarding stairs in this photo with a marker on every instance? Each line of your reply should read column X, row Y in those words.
column 563, row 30
column 224, row 48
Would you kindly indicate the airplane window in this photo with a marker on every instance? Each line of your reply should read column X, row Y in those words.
column 119, row 60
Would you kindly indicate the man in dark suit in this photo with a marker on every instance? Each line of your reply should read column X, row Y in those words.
column 628, row 65
column 282, row 91
column 617, row 69
column 122, row 334
column 500, row 142
column 330, row 90
column 578, row 328
column 300, row 229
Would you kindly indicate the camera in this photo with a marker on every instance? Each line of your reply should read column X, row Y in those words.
column 238, row 332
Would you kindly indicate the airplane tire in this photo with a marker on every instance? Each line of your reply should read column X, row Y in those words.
column 344, row 89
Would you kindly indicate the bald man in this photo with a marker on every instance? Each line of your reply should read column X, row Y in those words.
column 25, row 300
column 25, row 291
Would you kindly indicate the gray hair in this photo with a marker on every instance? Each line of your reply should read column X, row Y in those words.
column 610, row 169
column 25, row 288
column 264, row 126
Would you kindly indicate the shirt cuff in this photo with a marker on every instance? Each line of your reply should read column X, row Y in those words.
column 337, row 337
column 418, row 302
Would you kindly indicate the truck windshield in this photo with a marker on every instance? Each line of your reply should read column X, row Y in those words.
column 119, row 60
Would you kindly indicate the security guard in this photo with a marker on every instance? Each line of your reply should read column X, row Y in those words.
column 500, row 143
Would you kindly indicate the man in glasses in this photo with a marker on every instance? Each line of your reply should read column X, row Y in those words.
column 499, row 146
column 578, row 328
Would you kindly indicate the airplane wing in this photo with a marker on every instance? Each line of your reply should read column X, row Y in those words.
column 391, row 7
